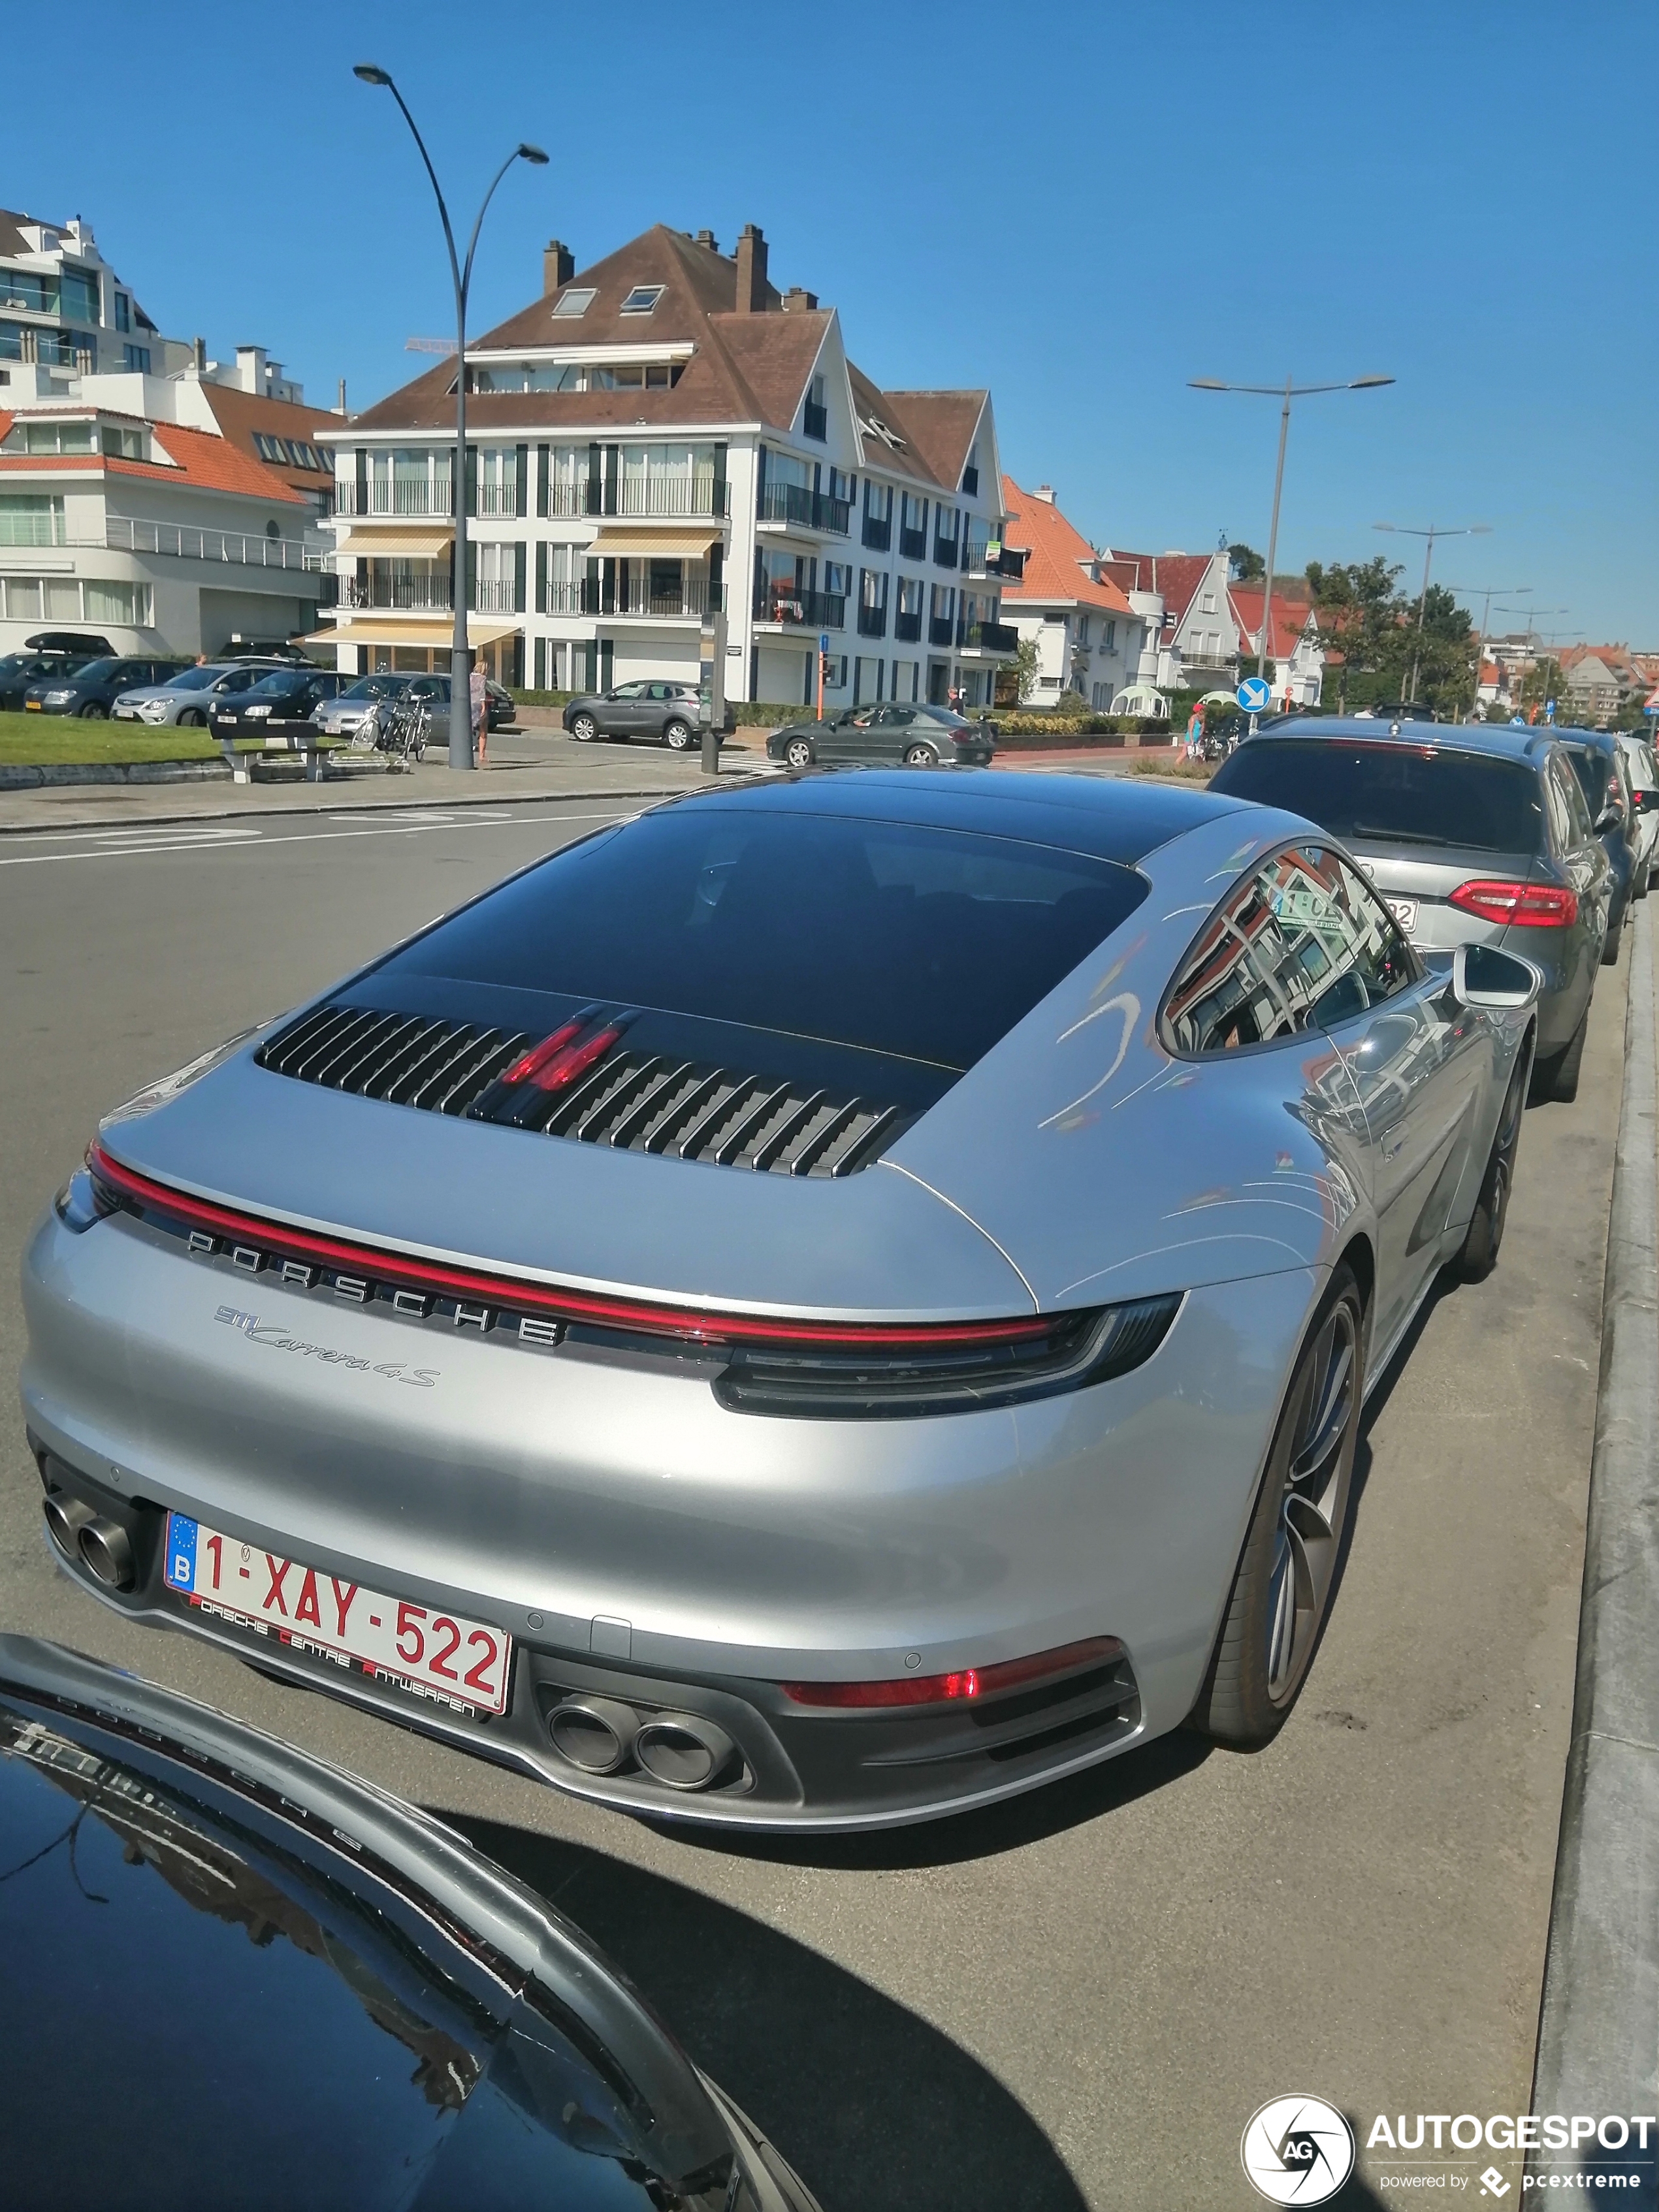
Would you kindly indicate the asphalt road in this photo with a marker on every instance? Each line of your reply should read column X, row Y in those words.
column 1075, row 2000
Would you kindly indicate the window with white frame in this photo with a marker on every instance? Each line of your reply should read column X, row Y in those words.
column 498, row 480
column 67, row 598
column 31, row 519
column 573, row 302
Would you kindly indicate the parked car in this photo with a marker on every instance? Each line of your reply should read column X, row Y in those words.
column 87, row 645
column 267, row 649
column 1478, row 836
column 711, row 1193
column 1643, row 772
column 1598, row 762
column 329, row 1997
column 282, row 702
column 919, row 737
column 499, row 709
column 340, row 716
column 185, row 700
column 94, row 685
column 667, row 712
column 19, row 670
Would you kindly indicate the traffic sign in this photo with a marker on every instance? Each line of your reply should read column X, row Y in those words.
column 1652, row 706
column 1253, row 694
column 823, row 641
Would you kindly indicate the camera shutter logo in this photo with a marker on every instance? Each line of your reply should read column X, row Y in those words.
column 1296, row 2150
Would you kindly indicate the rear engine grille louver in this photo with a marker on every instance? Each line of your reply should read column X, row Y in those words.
column 636, row 1100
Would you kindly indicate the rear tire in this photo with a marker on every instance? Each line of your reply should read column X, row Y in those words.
column 920, row 756
column 1276, row 1610
column 584, row 729
column 92, row 712
column 797, row 753
column 1478, row 1255
column 676, row 737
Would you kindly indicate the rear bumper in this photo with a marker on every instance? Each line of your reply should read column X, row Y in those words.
column 641, row 1542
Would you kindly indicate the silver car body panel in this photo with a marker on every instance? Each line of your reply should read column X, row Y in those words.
column 594, row 1492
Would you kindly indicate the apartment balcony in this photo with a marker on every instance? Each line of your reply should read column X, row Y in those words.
column 496, row 499
column 906, row 628
column 129, row 534
column 403, row 595
column 630, row 599
column 815, row 421
column 987, row 637
column 355, row 499
column 807, row 510
column 872, row 622
column 942, row 629
column 913, row 545
column 782, row 605
column 665, row 499
column 978, row 561
column 877, row 536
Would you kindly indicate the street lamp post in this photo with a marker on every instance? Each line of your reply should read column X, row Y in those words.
column 1428, row 536
column 460, row 652
column 1286, row 392
column 1488, row 594
column 1533, row 615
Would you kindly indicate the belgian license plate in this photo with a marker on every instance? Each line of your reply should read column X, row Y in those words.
column 1404, row 912
column 436, row 1654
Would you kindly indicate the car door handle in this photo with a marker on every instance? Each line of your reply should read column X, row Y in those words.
column 1388, row 1151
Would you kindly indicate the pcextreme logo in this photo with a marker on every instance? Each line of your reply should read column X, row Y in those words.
column 1296, row 2150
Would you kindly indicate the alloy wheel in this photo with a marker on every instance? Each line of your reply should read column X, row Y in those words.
column 1313, row 1504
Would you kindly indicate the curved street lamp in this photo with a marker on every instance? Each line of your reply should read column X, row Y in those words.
column 1287, row 392
column 1428, row 536
column 1489, row 593
column 460, row 653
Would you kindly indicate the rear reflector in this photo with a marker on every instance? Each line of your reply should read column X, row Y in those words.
column 1525, row 906
column 970, row 1682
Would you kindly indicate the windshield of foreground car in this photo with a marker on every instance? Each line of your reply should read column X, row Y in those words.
column 1412, row 794
column 923, row 943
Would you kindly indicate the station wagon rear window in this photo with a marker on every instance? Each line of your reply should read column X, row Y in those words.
column 1393, row 794
column 922, row 944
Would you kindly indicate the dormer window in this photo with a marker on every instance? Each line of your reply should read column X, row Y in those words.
column 576, row 301
column 123, row 445
column 641, row 300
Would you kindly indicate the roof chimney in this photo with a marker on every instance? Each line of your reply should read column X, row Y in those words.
column 751, row 270
column 706, row 238
column 558, row 266
column 198, row 348
column 797, row 302
column 1044, row 492
column 341, row 409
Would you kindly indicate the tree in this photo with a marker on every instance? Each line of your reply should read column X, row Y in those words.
column 1544, row 681
column 1244, row 564
column 1024, row 669
column 1357, row 610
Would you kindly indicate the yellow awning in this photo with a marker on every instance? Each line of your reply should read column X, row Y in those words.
column 644, row 540
column 435, row 631
column 396, row 544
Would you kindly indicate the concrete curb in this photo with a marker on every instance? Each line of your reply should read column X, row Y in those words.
column 37, row 775
column 1598, row 2036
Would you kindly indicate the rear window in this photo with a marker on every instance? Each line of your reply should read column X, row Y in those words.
column 1401, row 794
column 923, row 944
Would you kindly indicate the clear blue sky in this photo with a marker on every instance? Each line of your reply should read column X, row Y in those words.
column 1081, row 206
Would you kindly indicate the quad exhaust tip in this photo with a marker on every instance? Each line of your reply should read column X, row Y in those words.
column 602, row 1735
column 65, row 1518
column 81, row 1533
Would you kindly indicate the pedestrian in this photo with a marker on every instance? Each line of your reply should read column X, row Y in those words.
column 478, row 693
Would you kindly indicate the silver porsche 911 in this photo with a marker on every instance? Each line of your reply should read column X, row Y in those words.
column 828, row 1303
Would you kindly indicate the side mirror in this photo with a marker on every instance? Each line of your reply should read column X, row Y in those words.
column 1484, row 976
column 1610, row 818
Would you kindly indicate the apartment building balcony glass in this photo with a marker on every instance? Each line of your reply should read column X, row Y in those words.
column 988, row 637
column 800, row 504
column 125, row 534
column 652, row 499
column 399, row 587
column 872, row 622
column 413, row 481
column 780, row 601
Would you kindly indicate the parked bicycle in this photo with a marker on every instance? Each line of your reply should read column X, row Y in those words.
column 399, row 727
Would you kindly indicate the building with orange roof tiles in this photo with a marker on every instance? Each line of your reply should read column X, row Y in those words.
column 1091, row 637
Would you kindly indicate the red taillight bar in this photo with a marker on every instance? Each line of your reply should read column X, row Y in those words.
column 444, row 1281
column 1527, row 906
column 969, row 1682
column 538, row 1054
column 564, row 1066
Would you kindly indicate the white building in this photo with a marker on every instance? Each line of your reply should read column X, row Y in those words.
column 661, row 437
column 177, row 513
column 64, row 312
column 1296, row 659
column 1197, row 639
column 1089, row 637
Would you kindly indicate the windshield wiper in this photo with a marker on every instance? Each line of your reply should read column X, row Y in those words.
column 1398, row 836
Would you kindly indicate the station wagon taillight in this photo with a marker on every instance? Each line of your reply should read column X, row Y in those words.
column 1525, row 906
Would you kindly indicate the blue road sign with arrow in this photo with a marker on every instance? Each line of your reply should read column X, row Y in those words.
column 1253, row 694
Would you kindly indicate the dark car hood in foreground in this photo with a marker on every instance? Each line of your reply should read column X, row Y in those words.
column 237, row 1976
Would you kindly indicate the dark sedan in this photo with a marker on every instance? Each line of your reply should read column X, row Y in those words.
column 19, row 670
column 280, row 705
column 915, row 736
column 91, row 690
column 1598, row 762
column 664, row 712
column 241, row 1977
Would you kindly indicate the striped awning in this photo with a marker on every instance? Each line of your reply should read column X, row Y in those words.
column 649, row 540
column 435, row 631
column 396, row 544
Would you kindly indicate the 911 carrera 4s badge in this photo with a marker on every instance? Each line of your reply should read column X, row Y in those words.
column 276, row 1338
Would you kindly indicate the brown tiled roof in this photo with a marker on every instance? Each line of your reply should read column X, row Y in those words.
column 1055, row 553
column 240, row 413
column 1177, row 575
column 941, row 426
column 1290, row 619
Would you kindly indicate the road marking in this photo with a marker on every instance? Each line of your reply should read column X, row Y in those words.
column 161, row 842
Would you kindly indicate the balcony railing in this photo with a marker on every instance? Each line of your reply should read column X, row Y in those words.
column 127, row 534
column 878, row 536
column 655, row 497
column 988, row 636
column 496, row 498
column 906, row 628
column 872, row 622
column 947, row 552
column 912, row 544
column 782, row 603
column 816, row 510
column 495, row 595
column 409, row 595
column 374, row 497
column 941, row 629
column 815, row 420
